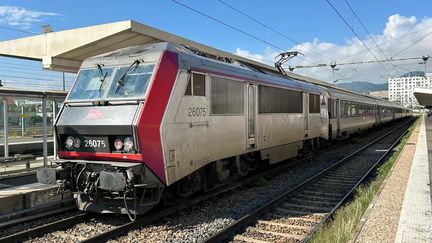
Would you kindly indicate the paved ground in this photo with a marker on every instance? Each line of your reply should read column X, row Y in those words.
column 415, row 224
column 383, row 214
column 402, row 211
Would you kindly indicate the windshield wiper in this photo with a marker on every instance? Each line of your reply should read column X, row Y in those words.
column 121, row 81
column 102, row 76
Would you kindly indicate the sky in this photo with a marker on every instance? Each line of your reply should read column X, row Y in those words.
column 359, row 31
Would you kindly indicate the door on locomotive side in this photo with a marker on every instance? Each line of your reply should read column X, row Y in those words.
column 251, row 103
column 338, row 118
column 324, row 115
column 306, row 113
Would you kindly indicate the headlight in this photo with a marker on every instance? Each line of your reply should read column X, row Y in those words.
column 128, row 144
column 69, row 142
column 118, row 144
column 77, row 143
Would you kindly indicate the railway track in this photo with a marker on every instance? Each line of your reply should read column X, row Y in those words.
column 297, row 214
column 88, row 227
column 60, row 230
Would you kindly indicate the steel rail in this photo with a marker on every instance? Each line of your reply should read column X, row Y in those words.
column 31, row 214
column 230, row 230
column 47, row 228
column 123, row 229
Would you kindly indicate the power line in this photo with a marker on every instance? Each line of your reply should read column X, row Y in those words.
column 367, row 31
column 228, row 25
column 237, row 29
column 12, row 76
column 272, row 29
column 361, row 62
column 29, row 67
column 18, row 30
column 13, row 69
column 355, row 33
column 412, row 44
column 385, row 44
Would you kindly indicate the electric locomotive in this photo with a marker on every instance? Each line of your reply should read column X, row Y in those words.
column 148, row 121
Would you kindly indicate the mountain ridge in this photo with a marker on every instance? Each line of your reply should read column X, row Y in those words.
column 363, row 87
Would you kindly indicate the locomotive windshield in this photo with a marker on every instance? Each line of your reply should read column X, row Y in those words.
column 131, row 82
column 112, row 83
column 90, row 84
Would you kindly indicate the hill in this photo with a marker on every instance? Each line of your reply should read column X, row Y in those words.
column 363, row 87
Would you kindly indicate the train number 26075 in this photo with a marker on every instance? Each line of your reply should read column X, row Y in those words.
column 197, row 111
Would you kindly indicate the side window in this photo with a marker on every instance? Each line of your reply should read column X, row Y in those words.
column 227, row 96
column 277, row 100
column 196, row 85
column 189, row 86
column 314, row 103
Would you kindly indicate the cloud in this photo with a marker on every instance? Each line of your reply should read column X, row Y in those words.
column 22, row 17
column 402, row 37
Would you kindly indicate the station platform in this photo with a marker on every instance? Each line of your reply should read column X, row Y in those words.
column 402, row 210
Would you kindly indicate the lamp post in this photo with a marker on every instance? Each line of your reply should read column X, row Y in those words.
column 425, row 58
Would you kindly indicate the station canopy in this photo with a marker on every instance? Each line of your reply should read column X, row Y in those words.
column 423, row 96
column 65, row 50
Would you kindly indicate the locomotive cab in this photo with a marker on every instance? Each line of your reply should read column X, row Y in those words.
column 103, row 131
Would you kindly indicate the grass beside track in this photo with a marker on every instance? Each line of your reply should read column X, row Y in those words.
column 347, row 218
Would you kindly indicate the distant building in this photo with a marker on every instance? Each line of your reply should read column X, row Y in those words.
column 382, row 94
column 401, row 89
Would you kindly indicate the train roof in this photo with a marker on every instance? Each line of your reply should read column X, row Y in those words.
column 63, row 51
column 194, row 59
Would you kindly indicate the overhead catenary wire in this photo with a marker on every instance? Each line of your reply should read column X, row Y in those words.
column 15, row 69
column 358, row 37
column 239, row 30
column 18, row 30
column 273, row 29
column 367, row 31
column 412, row 44
column 360, row 62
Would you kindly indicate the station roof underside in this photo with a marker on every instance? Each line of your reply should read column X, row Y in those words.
column 423, row 96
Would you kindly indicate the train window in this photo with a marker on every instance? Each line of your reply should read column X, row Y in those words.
column 227, row 96
column 276, row 100
column 335, row 108
column 131, row 82
column 189, row 86
column 314, row 103
column 198, row 84
column 197, row 81
column 344, row 109
column 88, row 84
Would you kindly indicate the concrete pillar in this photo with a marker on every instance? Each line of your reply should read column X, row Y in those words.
column 45, row 132
column 54, row 115
column 6, row 128
column 22, row 120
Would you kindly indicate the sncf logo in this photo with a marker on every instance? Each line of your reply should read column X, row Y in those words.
column 94, row 114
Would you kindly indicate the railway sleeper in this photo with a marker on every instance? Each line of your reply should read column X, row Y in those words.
column 285, row 225
column 312, row 202
column 313, row 197
column 301, row 206
column 286, row 229
column 285, row 235
column 287, row 219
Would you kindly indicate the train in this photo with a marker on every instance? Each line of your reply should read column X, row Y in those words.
column 145, row 123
